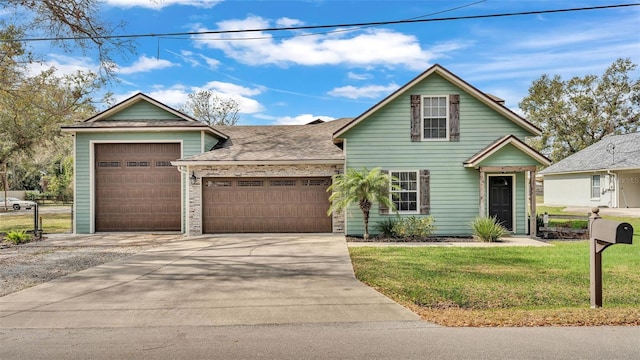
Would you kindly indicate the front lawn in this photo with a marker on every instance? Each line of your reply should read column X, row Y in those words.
column 502, row 286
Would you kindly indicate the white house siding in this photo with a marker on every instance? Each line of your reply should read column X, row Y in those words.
column 251, row 171
column 629, row 189
column 575, row 190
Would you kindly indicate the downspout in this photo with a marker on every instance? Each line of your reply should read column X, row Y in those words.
column 612, row 189
column 184, row 223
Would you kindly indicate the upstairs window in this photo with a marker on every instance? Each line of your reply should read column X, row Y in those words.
column 435, row 117
column 435, row 124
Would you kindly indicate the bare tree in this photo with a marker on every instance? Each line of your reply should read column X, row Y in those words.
column 73, row 24
column 212, row 109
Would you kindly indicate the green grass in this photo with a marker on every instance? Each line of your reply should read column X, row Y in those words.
column 51, row 223
column 512, row 283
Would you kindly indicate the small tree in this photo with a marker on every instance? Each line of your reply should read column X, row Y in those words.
column 211, row 108
column 364, row 187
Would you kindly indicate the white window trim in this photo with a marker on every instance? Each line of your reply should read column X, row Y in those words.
column 422, row 117
column 408, row 212
column 599, row 187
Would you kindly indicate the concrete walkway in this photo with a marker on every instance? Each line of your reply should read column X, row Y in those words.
column 205, row 281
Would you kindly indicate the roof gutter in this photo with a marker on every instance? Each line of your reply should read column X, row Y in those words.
column 257, row 162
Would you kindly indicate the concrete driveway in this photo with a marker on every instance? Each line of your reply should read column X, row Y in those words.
column 209, row 280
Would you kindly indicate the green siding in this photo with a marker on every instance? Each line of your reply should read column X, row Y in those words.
column 509, row 156
column 143, row 110
column 383, row 140
column 190, row 146
column 209, row 141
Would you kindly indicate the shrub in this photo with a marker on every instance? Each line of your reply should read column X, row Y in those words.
column 385, row 228
column 488, row 229
column 17, row 237
column 414, row 227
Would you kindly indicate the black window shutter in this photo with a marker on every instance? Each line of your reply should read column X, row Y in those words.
column 425, row 192
column 454, row 117
column 415, row 117
column 382, row 209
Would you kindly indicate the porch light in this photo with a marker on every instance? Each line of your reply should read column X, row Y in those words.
column 193, row 178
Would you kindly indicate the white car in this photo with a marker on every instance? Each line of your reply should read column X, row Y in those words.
column 17, row 204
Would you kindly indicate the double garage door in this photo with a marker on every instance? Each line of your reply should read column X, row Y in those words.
column 137, row 188
column 235, row 205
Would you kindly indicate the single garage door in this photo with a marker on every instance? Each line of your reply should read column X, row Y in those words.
column 136, row 187
column 235, row 205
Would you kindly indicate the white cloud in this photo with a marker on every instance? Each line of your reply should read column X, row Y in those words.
column 370, row 47
column 64, row 65
column 159, row 4
column 354, row 76
column 238, row 93
column 301, row 119
column 187, row 56
column 211, row 62
column 178, row 94
column 145, row 64
column 288, row 22
column 369, row 91
column 232, row 89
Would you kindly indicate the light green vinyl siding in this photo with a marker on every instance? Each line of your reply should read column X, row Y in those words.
column 209, row 141
column 143, row 110
column 509, row 156
column 190, row 146
column 383, row 140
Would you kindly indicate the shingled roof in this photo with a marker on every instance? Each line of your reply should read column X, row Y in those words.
column 286, row 143
column 616, row 152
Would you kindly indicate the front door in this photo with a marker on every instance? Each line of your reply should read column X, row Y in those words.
column 500, row 199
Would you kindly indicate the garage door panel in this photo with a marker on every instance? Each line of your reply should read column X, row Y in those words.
column 136, row 187
column 265, row 205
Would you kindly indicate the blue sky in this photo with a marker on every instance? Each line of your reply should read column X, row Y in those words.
column 294, row 77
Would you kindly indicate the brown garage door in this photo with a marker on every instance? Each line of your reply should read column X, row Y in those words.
column 136, row 187
column 265, row 205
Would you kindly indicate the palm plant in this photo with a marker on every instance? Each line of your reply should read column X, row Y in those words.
column 364, row 187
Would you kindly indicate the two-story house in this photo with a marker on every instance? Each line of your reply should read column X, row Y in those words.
column 458, row 153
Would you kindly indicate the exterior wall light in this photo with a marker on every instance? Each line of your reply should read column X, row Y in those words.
column 193, row 178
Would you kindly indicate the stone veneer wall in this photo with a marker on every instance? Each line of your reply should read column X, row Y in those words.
column 194, row 212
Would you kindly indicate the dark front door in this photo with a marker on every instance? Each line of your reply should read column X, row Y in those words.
column 500, row 199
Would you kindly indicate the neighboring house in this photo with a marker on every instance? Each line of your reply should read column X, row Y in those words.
column 606, row 173
column 459, row 153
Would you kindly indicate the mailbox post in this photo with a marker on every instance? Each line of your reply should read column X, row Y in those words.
column 602, row 234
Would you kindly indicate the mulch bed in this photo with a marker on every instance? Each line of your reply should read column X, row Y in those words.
column 434, row 239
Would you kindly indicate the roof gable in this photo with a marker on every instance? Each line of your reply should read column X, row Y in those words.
column 489, row 100
column 141, row 113
column 122, row 110
column 504, row 143
column 616, row 152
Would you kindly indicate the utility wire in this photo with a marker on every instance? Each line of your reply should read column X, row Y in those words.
column 354, row 28
column 309, row 27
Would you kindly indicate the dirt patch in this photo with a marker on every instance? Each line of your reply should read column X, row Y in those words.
column 24, row 266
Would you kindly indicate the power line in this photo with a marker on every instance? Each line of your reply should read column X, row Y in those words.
column 351, row 28
column 310, row 27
